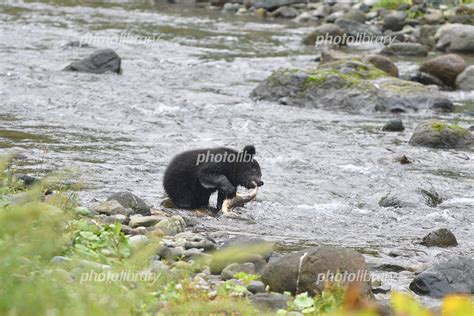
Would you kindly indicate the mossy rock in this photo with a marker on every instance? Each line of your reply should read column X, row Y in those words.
column 348, row 84
column 437, row 134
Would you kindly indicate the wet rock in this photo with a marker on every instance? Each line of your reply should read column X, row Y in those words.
column 392, row 201
column 382, row 63
column 357, row 29
column 394, row 21
column 145, row 221
column 465, row 80
column 234, row 268
column 270, row 301
column 285, row 13
column 76, row 44
column 111, row 207
column 101, row 61
column 426, row 35
column 325, row 31
column 256, row 287
column 131, row 201
column 442, row 237
column 334, row 16
column 437, row 134
column 26, row 179
column 426, row 79
column 461, row 15
column 453, row 276
column 455, row 38
column 190, row 240
column 309, row 269
column 432, row 17
column 112, row 219
column 350, row 85
column 355, row 15
column 395, row 125
column 446, row 68
column 230, row 7
column 172, row 226
column 405, row 49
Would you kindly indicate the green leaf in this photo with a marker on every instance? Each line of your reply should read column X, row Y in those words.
column 303, row 301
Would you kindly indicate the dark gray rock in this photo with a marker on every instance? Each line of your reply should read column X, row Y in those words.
column 394, row 21
column 131, row 201
column 309, row 269
column 270, row 301
column 453, row 276
column 355, row 28
column 99, row 62
column 256, row 287
column 355, row 15
column 437, row 134
column 426, row 79
column 405, row 49
column 383, row 63
column 395, row 125
column 442, row 237
column 446, row 68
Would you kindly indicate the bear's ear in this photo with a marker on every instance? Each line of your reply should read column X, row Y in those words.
column 250, row 149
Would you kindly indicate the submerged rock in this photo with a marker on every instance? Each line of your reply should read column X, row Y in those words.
column 455, row 38
column 99, row 62
column 426, row 79
column 455, row 276
column 405, row 49
column 465, row 80
column 131, row 201
column 395, row 125
column 446, row 68
column 309, row 269
column 442, row 237
column 437, row 134
column 348, row 85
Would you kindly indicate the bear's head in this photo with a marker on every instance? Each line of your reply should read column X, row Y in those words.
column 249, row 174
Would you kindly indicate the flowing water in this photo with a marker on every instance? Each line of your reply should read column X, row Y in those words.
column 189, row 87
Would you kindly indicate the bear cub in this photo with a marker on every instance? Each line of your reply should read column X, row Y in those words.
column 192, row 176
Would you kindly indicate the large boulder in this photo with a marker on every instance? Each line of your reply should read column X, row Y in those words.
column 131, row 201
column 405, row 49
column 101, row 61
column 465, row 80
column 437, row 134
column 394, row 21
column 350, row 85
column 455, row 38
column 446, row 68
column 454, row 276
column 309, row 269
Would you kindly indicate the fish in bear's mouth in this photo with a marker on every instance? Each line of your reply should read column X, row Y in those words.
column 239, row 200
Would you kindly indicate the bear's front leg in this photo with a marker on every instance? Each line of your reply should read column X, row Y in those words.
column 219, row 182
